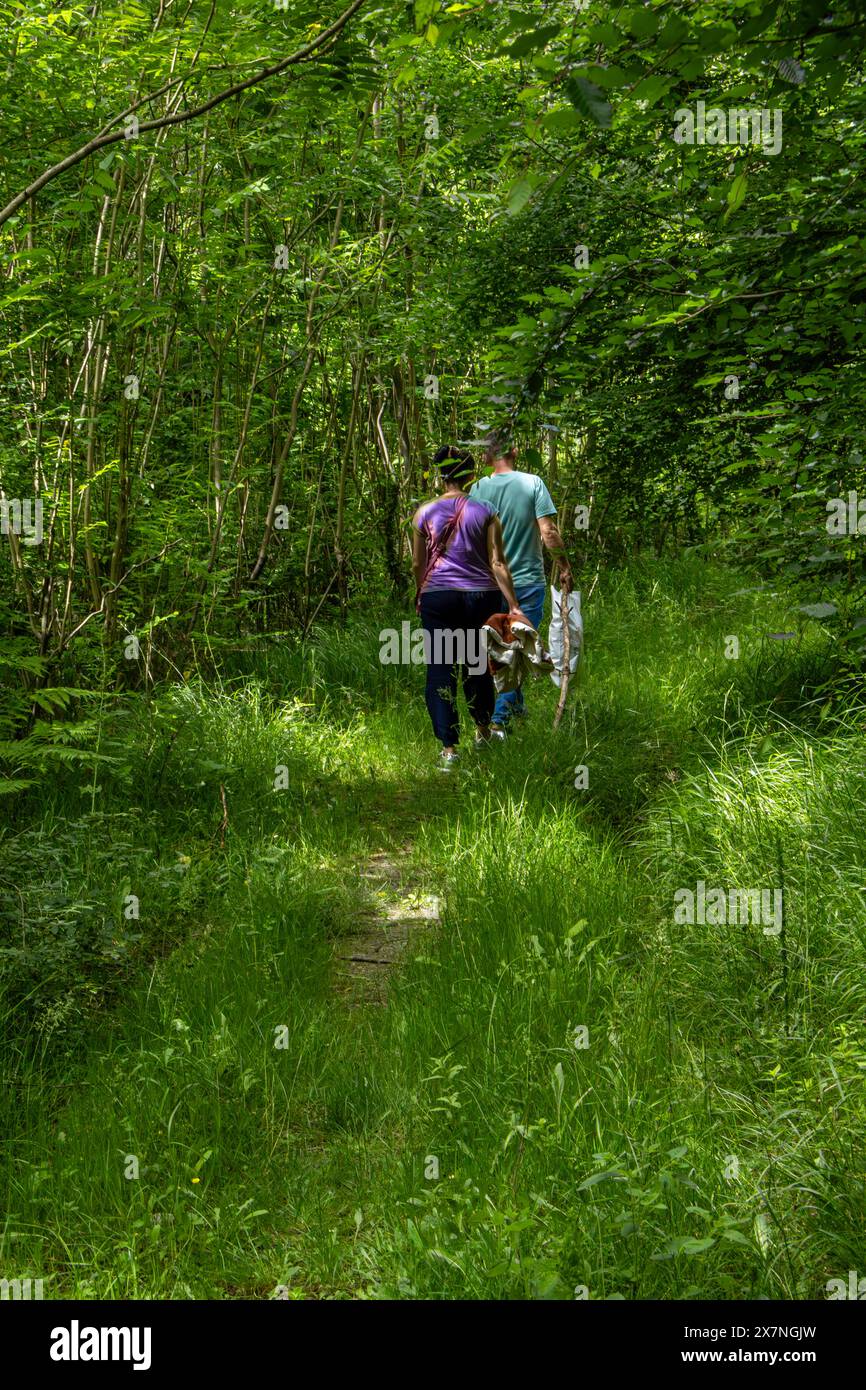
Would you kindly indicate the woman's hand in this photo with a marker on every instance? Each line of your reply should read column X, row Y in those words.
column 517, row 615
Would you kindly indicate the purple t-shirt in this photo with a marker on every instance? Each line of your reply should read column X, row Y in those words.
column 464, row 564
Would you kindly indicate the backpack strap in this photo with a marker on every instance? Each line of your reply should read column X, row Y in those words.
column 439, row 546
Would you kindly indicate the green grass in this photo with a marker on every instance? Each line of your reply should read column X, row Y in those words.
column 705, row 1142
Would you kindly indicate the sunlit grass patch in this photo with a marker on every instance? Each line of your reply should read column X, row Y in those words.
column 568, row 1093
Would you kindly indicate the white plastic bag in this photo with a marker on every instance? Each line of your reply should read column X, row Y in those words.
column 555, row 635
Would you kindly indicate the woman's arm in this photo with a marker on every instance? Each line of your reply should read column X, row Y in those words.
column 499, row 567
column 419, row 551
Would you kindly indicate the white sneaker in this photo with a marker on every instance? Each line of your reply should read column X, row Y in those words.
column 496, row 731
column 448, row 761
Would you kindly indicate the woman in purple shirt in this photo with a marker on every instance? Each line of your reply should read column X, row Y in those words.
column 459, row 565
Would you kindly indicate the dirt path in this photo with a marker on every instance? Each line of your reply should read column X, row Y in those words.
column 393, row 914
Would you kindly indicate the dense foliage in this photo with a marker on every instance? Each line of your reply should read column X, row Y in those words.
column 230, row 338
column 258, row 259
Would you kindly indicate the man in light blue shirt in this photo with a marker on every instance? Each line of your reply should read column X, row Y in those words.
column 528, row 516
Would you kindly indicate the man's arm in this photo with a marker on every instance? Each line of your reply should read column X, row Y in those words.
column 499, row 566
column 553, row 540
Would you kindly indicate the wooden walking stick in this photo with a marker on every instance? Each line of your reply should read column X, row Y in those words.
column 565, row 673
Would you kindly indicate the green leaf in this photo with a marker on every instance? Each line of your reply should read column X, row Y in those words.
column 758, row 23
column 519, row 196
column 535, row 39
column 558, row 1083
column 562, row 118
column 608, row 77
column 651, row 88
column 104, row 179
column 736, row 1237
column 589, row 100
column 685, row 1245
column 674, row 32
column 642, row 22
column 606, row 34
column 595, row 1178
column 736, row 194
column 9, row 785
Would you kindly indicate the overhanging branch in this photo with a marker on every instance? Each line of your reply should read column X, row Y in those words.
column 309, row 50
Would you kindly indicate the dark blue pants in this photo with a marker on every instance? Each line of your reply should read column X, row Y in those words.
column 447, row 616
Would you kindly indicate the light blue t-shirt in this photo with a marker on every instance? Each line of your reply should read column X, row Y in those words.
column 519, row 499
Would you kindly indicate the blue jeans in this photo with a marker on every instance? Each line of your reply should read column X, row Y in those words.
column 463, row 611
column 531, row 599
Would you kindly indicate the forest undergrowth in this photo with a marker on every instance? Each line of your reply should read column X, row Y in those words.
column 569, row 1093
